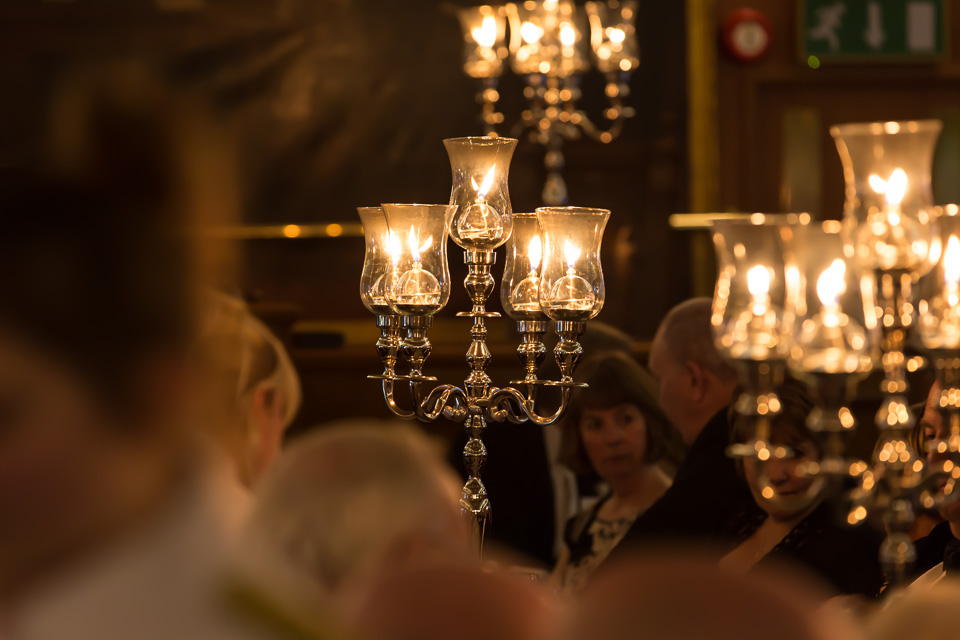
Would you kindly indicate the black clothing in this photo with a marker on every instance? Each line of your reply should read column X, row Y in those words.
column 706, row 491
column 847, row 558
column 936, row 547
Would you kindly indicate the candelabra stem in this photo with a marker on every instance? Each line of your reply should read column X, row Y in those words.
column 758, row 402
column 389, row 343
column 416, row 346
column 531, row 350
column 898, row 465
column 474, row 504
column 568, row 351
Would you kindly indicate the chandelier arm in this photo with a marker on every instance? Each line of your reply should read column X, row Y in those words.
column 616, row 124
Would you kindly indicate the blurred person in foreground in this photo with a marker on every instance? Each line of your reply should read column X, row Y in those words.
column 919, row 614
column 613, row 429
column 254, row 391
column 798, row 527
column 344, row 504
column 695, row 390
column 114, row 525
column 462, row 601
column 678, row 594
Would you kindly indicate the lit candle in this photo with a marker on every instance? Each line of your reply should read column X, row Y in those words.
column 758, row 284
column 572, row 293
column 830, row 286
column 481, row 221
column 950, row 318
column 526, row 295
column 418, row 291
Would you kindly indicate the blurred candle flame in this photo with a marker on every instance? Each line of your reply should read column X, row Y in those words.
column 415, row 247
column 831, row 283
column 758, row 281
column 486, row 34
column 571, row 253
column 534, row 253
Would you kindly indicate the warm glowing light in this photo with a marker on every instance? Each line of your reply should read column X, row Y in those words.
column 484, row 187
column 951, row 261
column 877, row 183
column 486, row 34
column 334, row 230
column 291, row 230
column 571, row 253
column 530, row 32
column 416, row 249
column 758, row 281
column 831, row 284
column 617, row 36
column 535, row 253
column 896, row 187
column 568, row 35
column 394, row 247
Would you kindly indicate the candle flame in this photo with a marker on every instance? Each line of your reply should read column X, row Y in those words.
column 951, row 261
column 486, row 34
column 896, row 187
column 877, row 183
column 484, row 187
column 571, row 253
column 534, row 253
column 616, row 35
column 758, row 281
column 530, row 32
column 831, row 284
column 568, row 35
column 416, row 249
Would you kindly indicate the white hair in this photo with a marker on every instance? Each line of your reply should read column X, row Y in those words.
column 346, row 499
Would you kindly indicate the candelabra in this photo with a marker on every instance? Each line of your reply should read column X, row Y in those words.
column 820, row 298
column 547, row 47
column 553, row 272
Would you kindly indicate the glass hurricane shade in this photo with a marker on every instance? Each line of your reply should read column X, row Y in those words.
column 377, row 261
column 483, row 219
column 830, row 303
column 483, row 33
column 520, row 288
column 546, row 38
column 888, row 209
column 750, row 295
column 571, row 277
column 420, row 282
column 613, row 35
column 939, row 325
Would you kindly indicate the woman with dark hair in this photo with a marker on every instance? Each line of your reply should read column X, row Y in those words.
column 614, row 429
column 790, row 525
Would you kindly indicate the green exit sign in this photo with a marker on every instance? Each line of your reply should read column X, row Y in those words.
column 874, row 30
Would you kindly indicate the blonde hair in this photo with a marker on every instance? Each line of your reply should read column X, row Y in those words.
column 243, row 354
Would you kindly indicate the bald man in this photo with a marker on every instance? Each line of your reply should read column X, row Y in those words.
column 696, row 387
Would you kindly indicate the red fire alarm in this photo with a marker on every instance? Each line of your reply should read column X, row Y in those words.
column 747, row 34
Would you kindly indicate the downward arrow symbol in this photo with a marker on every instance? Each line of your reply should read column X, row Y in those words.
column 874, row 34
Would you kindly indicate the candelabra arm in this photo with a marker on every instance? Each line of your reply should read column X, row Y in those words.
column 444, row 400
column 511, row 405
column 392, row 403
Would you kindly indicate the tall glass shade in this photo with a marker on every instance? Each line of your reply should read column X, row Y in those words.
column 520, row 289
column 483, row 33
column 571, row 277
column 830, row 303
column 613, row 35
column 750, row 295
column 377, row 261
column 939, row 325
column 483, row 218
column 888, row 212
column 421, row 285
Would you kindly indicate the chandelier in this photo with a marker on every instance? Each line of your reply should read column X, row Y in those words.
column 551, row 44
